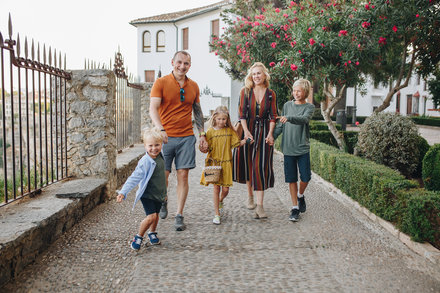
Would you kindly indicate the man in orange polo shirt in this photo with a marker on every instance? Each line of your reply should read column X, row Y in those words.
column 173, row 99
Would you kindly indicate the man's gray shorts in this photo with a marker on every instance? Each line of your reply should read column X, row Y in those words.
column 182, row 151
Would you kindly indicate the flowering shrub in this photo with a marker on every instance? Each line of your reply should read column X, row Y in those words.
column 333, row 44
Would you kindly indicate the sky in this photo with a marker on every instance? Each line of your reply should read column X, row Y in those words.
column 85, row 29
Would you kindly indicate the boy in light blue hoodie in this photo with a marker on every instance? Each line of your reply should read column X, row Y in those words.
column 150, row 176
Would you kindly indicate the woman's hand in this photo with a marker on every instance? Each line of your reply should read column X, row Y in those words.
column 269, row 139
column 248, row 135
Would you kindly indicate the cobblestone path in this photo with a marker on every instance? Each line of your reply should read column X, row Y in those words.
column 331, row 249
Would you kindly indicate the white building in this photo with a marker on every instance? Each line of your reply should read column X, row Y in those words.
column 411, row 100
column 159, row 37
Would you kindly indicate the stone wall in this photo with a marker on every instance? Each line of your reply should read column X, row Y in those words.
column 91, row 130
column 145, row 105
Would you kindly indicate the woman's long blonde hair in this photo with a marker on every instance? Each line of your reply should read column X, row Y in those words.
column 249, row 83
column 221, row 110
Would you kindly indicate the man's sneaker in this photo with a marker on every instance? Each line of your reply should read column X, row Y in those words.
column 294, row 215
column 302, row 204
column 220, row 207
column 216, row 220
column 163, row 213
column 154, row 240
column 137, row 241
column 178, row 224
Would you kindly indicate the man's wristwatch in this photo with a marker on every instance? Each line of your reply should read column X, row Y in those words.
column 202, row 134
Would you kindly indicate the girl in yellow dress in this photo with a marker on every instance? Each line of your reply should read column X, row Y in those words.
column 221, row 139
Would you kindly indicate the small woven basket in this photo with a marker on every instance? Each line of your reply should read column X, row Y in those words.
column 212, row 171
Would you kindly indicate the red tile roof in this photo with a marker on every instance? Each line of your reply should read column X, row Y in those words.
column 175, row 16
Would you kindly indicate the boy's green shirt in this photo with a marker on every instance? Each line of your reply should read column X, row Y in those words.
column 296, row 131
column 156, row 188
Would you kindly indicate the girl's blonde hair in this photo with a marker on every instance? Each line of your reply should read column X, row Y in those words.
column 249, row 82
column 304, row 84
column 220, row 110
column 153, row 133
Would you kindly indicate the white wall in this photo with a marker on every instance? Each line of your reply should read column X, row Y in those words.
column 375, row 97
column 205, row 69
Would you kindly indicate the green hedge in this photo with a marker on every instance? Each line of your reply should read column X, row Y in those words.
column 325, row 136
column 422, row 217
column 380, row 189
column 421, row 120
column 425, row 120
column 321, row 125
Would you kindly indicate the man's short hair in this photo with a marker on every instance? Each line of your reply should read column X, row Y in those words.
column 181, row 52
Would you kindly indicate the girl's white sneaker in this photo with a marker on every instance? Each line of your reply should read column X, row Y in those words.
column 216, row 220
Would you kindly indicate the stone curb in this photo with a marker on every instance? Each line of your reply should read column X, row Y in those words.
column 424, row 249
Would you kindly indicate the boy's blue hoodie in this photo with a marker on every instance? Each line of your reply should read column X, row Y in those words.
column 140, row 176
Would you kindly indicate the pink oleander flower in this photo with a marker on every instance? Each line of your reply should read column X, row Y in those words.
column 367, row 6
column 357, row 123
column 357, row 63
column 245, row 34
column 322, row 45
column 302, row 60
column 382, row 40
column 309, row 29
column 273, row 45
column 272, row 64
column 345, row 64
column 343, row 33
column 277, row 10
column 292, row 44
column 311, row 41
column 285, row 15
column 395, row 28
column 365, row 24
column 417, row 15
column 359, row 46
column 293, row 67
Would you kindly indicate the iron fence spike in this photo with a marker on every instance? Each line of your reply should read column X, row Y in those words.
column 10, row 27
column 1, row 39
column 38, row 52
column 65, row 61
column 44, row 53
column 18, row 45
column 26, row 48
column 55, row 57
column 59, row 64
column 33, row 50
column 50, row 56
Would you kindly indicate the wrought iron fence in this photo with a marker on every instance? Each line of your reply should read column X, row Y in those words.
column 128, row 107
column 33, row 137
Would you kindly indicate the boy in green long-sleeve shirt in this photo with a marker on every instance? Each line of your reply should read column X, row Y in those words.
column 294, row 125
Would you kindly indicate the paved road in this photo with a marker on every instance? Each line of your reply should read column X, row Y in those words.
column 332, row 249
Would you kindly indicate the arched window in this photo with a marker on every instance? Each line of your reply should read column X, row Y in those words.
column 160, row 41
column 146, row 42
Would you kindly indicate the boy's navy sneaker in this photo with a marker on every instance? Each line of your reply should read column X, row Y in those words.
column 163, row 213
column 137, row 242
column 294, row 215
column 154, row 240
column 302, row 204
column 178, row 224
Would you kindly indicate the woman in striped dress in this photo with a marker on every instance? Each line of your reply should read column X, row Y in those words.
column 253, row 162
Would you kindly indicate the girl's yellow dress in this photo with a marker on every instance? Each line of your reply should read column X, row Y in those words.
column 221, row 142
